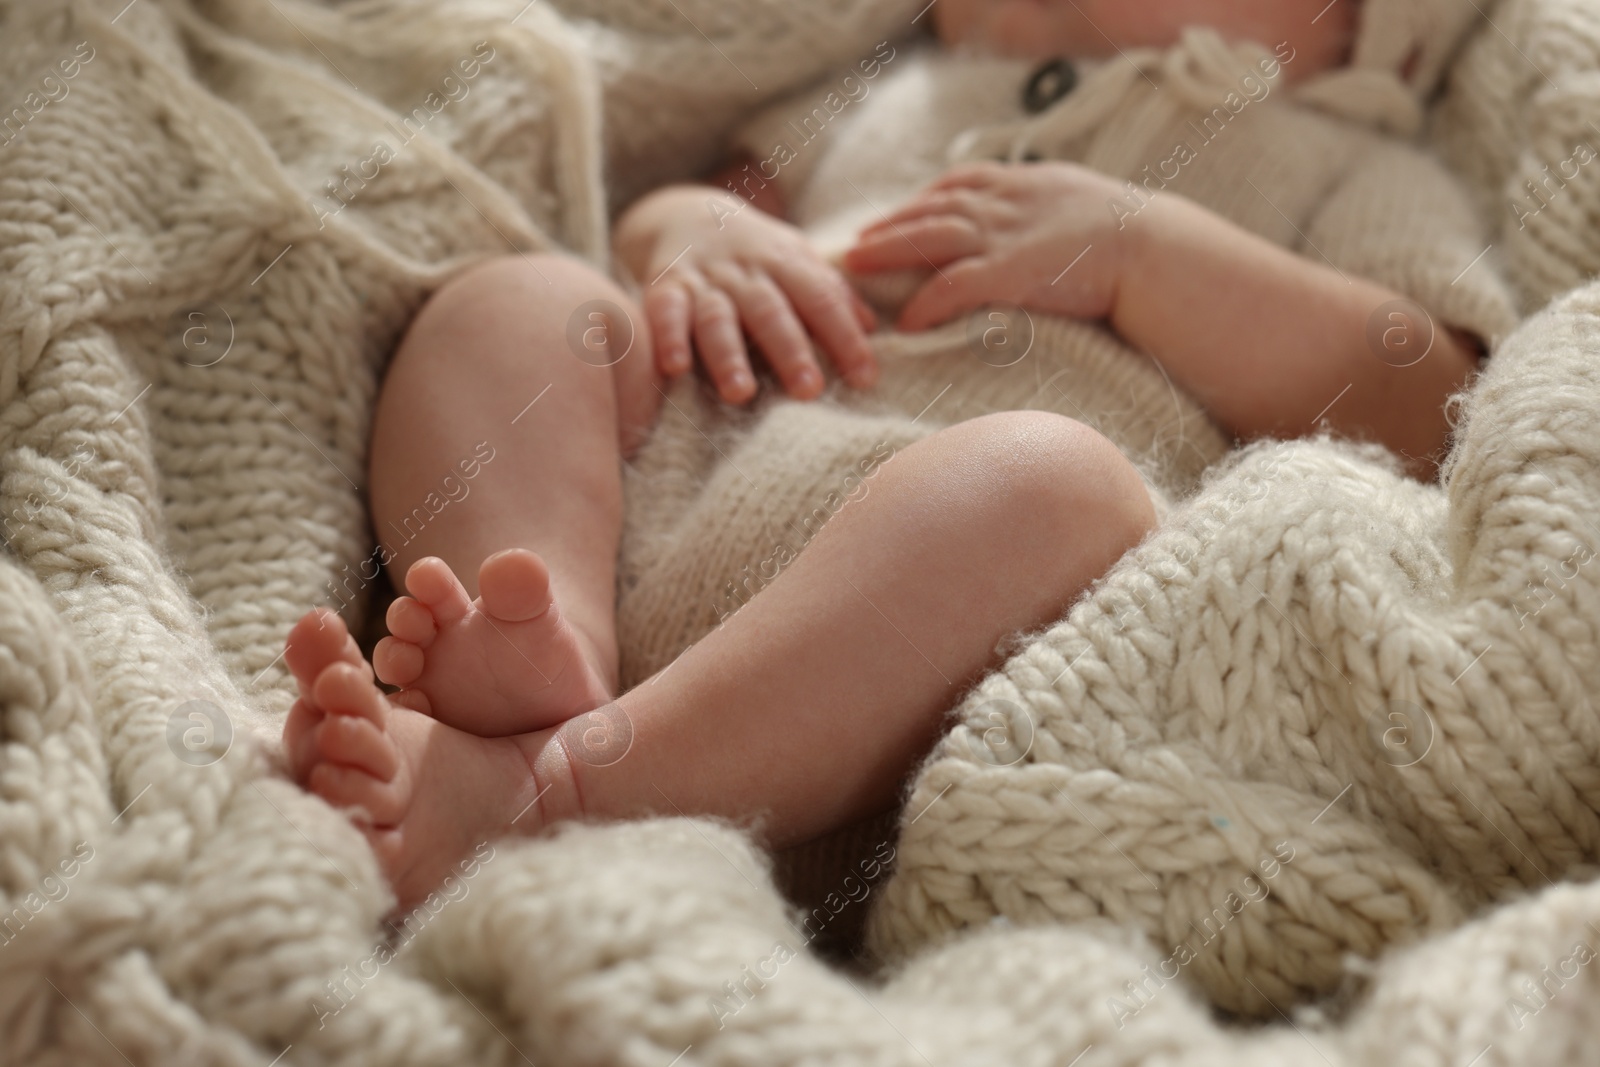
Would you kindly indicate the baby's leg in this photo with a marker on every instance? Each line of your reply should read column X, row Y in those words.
column 807, row 708
column 498, row 427
column 812, row 703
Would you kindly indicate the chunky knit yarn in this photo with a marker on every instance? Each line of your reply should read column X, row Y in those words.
column 1322, row 711
column 1518, row 121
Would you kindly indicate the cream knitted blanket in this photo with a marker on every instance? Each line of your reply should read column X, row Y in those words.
column 1323, row 711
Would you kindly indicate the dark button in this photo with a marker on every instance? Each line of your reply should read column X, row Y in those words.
column 1054, row 79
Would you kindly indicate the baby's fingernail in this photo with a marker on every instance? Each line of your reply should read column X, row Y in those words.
column 740, row 382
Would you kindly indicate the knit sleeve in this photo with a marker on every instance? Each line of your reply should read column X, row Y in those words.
column 1400, row 219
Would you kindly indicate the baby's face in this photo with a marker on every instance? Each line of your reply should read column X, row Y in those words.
column 1086, row 29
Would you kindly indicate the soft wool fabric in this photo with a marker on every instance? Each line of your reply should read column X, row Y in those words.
column 1213, row 699
column 1519, row 121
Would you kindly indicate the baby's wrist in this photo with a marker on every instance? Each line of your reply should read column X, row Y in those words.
column 638, row 232
column 639, row 229
column 634, row 237
column 1150, row 239
column 1173, row 242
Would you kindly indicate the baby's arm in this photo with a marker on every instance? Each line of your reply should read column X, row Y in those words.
column 1269, row 341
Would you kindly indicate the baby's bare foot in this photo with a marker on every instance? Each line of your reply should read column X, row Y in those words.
column 503, row 664
column 426, row 795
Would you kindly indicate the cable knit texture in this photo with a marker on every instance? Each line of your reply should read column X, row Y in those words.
column 1518, row 121
column 1323, row 714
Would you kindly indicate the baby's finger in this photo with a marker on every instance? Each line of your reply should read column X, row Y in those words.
column 964, row 287
column 827, row 304
column 864, row 313
column 666, row 308
column 300, row 737
column 978, row 175
column 721, row 343
column 770, row 320
column 935, row 203
column 920, row 243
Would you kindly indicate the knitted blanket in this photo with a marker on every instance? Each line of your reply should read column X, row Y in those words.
column 1321, row 714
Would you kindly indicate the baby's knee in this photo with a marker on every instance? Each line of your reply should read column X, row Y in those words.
column 544, row 286
column 1038, row 476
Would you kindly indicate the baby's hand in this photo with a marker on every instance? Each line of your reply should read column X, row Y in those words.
column 1039, row 235
column 715, row 269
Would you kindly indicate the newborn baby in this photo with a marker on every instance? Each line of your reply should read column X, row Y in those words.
column 508, row 717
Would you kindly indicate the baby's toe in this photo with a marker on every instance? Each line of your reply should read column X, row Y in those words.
column 299, row 737
column 397, row 661
column 415, row 699
column 347, row 689
column 431, row 581
column 356, row 743
column 316, row 641
column 381, row 803
column 514, row 585
column 410, row 620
